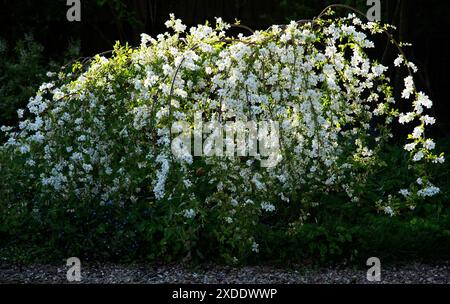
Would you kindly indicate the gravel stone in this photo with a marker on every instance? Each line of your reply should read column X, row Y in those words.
column 406, row 273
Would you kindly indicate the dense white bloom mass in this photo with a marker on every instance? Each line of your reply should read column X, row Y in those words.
column 104, row 132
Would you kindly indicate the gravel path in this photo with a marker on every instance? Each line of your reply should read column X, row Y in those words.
column 416, row 272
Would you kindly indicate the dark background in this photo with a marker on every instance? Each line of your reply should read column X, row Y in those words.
column 425, row 23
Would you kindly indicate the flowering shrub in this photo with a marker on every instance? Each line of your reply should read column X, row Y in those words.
column 101, row 136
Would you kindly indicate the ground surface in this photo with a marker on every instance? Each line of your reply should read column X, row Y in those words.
column 419, row 273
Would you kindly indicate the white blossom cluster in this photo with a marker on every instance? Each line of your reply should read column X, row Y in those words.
column 106, row 134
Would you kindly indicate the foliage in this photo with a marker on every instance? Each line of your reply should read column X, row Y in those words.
column 22, row 70
column 92, row 171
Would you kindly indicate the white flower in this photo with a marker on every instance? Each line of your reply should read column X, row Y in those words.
column 175, row 24
column 413, row 67
column 30, row 162
column 404, row 192
column 20, row 113
column 429, row 144
column 285, row 37
column 406, row 118
column 179, row 27
column 379, row 69
column 267, row 207
column 24, row 149
column 439, row 160
column 429, row 191
column 76, row 156
column 427, row 120
column 409, row 87
column 410, row 147
column 418, row 156
column 423, row 100
column 220, row 24
column 388, row 210
column 189, row 213
column 398, row 61
column 187, row 183
column 417, row 133
column 181, row 93
column 161, row 176
column 145, row 39
column 255, row 247
column 87, row 167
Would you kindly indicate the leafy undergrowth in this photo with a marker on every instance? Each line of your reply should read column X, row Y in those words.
column 342, row 234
